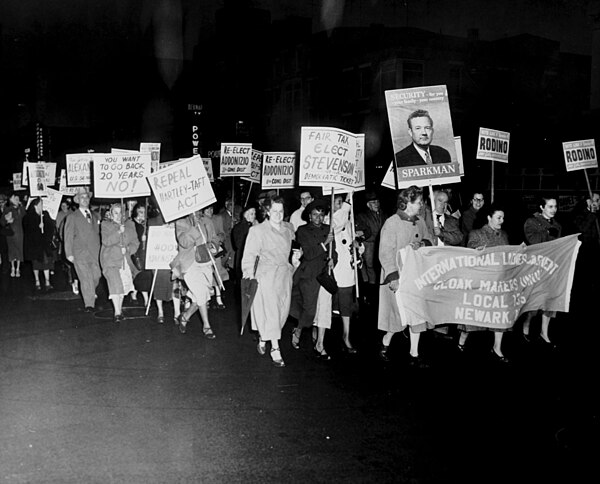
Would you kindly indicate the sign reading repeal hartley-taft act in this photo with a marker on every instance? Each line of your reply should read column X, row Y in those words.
column 182, row 188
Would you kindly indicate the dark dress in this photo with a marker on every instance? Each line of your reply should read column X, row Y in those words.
column 37, row 246
column 239, row 234
column 143, row 281
column 305, row 290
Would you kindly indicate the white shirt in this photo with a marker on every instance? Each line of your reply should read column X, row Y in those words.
column 296, row 218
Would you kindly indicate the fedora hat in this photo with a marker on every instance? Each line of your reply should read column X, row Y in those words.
column 82, row 191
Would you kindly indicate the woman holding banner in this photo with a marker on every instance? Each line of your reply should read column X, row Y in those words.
column 194, row 265
column 266, row 259
column 402, row 229
column 119, row 241
column 490, row 235
column 542, row 227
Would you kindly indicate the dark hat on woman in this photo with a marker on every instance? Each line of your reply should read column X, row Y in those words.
column 370, row 196
column 319, row 204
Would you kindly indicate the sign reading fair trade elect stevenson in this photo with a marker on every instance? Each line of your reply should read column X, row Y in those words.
column 327, row 158
column 182, row 188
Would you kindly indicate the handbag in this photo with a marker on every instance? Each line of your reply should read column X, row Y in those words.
column 327, row 280
column 137, row 262
column 202, row 254
column 7, row 230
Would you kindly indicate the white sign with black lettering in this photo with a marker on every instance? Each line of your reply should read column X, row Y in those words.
column 580, row 155
column 493, row 145
column 161, row 248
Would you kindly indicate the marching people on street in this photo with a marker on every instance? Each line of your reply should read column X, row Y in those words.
column 39, row 232
column 215, row 243
column 266, row 259
column 490, row 235
column 541, row 227
column 239, row 235
column 119, row 242
column 82, row 246
column 195, row 266
column 372, row 220
column 402, row 229
column 13, row 216
column 313, row 239
column 142, row 282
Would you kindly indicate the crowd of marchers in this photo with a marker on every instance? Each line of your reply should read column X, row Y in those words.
column 309, row 263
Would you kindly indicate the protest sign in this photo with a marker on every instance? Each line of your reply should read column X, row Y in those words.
column 580, row 155
column 79, row 169
column 209, row 169
column 327, row 158
column 161, row 247
column 459, row 155
column 182, row 188
column 359, row 182
column 255, row 164
column 37, row 179
column 493, row 145
column 278, row 170
column 490, row 288
column 236, row 159
column 62, row 186
column 52, row 202
column 17, row 177
column 121, row 175
column 415, row 115
column 25, row 174
column 154, row 150
column 388, row 180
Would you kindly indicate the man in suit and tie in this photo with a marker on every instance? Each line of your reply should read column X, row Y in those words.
column 82, row 246
column 421, row 151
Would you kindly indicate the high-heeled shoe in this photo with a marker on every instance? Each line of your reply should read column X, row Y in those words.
column 351, row 350
column 500, row 359
column 546, row 344
column 383, row 353
column 261, row 347
column 208, row 333
column 276, row 358
column 322, row 354
column 296, row 332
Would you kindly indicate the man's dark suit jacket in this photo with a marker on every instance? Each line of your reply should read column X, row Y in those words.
column 410, row 157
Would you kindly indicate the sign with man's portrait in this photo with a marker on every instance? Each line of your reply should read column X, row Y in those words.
column 422, row 135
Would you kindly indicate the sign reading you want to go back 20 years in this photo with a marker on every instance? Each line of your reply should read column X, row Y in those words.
column 236, row 159
column 580, row 155
column 278, row 170
column 255, row 165
column 161, row 248
column 493, row 145
column 121, row 175
column 489, row 288
column 182, row 188
column 327, row 158
column 79, row 169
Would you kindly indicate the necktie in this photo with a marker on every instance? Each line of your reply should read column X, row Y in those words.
column 439, row 219
column 428, row 158
column 88, row 216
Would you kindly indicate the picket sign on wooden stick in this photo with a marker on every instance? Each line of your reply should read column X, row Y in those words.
column 492, row 188
column 435, row 221
column 248, row 197
column 331, row 229
column 151, row 291
column 353, row 235
column 232, row 197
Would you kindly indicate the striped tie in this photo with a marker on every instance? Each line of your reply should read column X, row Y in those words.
column 428, row 158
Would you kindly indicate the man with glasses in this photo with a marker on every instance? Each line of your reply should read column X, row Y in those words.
column 469, row 216
column 296, row 219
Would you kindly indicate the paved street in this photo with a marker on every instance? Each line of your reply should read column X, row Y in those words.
column 83, row 399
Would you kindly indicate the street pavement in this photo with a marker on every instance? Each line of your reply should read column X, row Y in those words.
column 87, row 400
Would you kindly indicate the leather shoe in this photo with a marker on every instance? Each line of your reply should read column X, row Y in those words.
column 118, row 318
column 383, row 353
column 417, row 362
column 500, row 359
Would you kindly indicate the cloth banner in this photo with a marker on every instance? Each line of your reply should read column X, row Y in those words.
column 121, row 175
column 161, row 248
column 182, row 188
column 490, row 288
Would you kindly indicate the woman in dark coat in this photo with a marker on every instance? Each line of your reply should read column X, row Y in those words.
column 13, row 214
column 143, row 280
column 38, row 232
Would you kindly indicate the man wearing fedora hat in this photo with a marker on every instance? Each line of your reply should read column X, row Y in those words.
column 82, row 246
